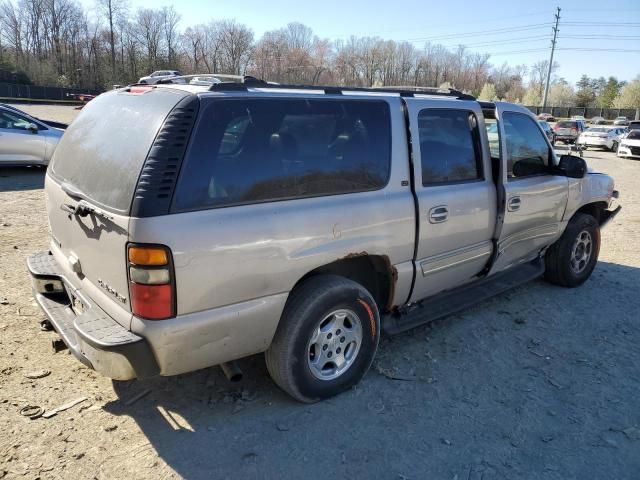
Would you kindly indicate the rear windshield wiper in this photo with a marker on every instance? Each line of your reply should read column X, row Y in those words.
column 82, row 209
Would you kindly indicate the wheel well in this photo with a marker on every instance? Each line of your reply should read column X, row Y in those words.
column 594, row 209
column 373, row 272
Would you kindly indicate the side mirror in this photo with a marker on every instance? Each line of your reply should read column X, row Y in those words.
column 572, row 167
column 32, row 127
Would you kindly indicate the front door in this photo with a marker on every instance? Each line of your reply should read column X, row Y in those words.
column 535, row 199
column 455, row 193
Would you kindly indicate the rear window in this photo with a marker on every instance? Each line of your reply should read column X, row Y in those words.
column 102, row 152
column 257, row 150
column 567, row 124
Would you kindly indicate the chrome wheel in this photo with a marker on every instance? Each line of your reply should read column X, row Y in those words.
column 334, row 345
column 581, row 252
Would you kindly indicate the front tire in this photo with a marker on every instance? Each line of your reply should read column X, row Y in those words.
column 326, row 339
column 570, row 261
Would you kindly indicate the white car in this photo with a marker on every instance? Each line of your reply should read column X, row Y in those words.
column 155, row 77
column 601, row 137
column 630, row 145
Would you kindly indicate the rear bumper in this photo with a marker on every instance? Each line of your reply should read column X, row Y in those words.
column 94, row 338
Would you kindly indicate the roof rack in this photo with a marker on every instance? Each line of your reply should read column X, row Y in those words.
column 409, row 91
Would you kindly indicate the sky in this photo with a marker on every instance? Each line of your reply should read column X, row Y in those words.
column 605, row 34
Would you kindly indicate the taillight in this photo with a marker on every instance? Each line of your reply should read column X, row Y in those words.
column 151, row 281
column 139, row 90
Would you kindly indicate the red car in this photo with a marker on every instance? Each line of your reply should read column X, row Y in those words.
column 547, row 117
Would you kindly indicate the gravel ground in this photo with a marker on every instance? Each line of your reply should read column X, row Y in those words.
column 541, row 382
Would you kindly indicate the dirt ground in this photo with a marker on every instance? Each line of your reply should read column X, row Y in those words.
column 541, row 382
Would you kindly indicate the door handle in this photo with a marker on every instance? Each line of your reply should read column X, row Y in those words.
column 438, row 214
column 514, row 204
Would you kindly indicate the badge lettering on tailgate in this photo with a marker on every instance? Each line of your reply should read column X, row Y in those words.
column 112, row 291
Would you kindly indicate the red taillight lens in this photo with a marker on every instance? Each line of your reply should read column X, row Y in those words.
column 154, row 302
column 139, row 90
column 151, row 282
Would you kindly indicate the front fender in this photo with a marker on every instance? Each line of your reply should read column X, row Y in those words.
column 593, row 188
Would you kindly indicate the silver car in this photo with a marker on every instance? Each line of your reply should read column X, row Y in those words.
column 26, row 140
column 156, row 76
column 211, row 223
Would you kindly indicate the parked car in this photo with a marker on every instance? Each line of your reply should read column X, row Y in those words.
column 547, row 117
column 634, row 125
column 567, row 131
column 229, row 220
column 599, row 121
column 600, row 137
column 578, row 117
column 48, row 123
column 621, row 121
column 25, row 140
column 548, row 131
column 630, row 145
column 155, row 77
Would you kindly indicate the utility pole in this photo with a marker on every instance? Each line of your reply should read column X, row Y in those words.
column 553, row 47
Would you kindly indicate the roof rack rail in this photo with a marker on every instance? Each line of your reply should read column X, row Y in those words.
column 409, row 91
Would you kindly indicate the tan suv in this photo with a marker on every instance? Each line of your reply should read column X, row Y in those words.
column 192, row 226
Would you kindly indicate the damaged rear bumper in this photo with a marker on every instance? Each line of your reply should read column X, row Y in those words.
column 94, row 338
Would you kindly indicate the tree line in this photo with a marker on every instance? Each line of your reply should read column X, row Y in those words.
column 56, row 42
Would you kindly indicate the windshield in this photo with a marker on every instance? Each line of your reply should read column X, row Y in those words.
column 634, row 135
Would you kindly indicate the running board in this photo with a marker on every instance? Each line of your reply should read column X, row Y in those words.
column 452, row 301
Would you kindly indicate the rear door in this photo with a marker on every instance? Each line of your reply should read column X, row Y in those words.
column 97, row 163
column 456, row 195
column 535, row 199
column 17, row 143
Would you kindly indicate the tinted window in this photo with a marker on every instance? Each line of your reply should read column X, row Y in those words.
column 634, row 135
column 256, row 150
column 567, row 124
column 449, row 146
column 102, row 152
column 526, row 146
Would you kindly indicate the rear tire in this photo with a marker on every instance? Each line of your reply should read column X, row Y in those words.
column 614, row 147
column 326, row 339
column 570, row 261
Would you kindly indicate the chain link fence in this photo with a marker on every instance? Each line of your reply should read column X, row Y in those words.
column 607, row 113
column 34, row 92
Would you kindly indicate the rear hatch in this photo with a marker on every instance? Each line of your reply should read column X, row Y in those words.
column 566, row 128
column 90, row 186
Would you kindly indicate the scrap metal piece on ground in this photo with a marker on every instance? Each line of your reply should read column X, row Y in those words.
column 63, row 407
column 31, row 411
column 37, row 374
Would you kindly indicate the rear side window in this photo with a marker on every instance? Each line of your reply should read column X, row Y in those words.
column 449, row 146
column 257, row 150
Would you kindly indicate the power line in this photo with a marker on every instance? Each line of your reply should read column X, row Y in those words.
column 497, row 31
